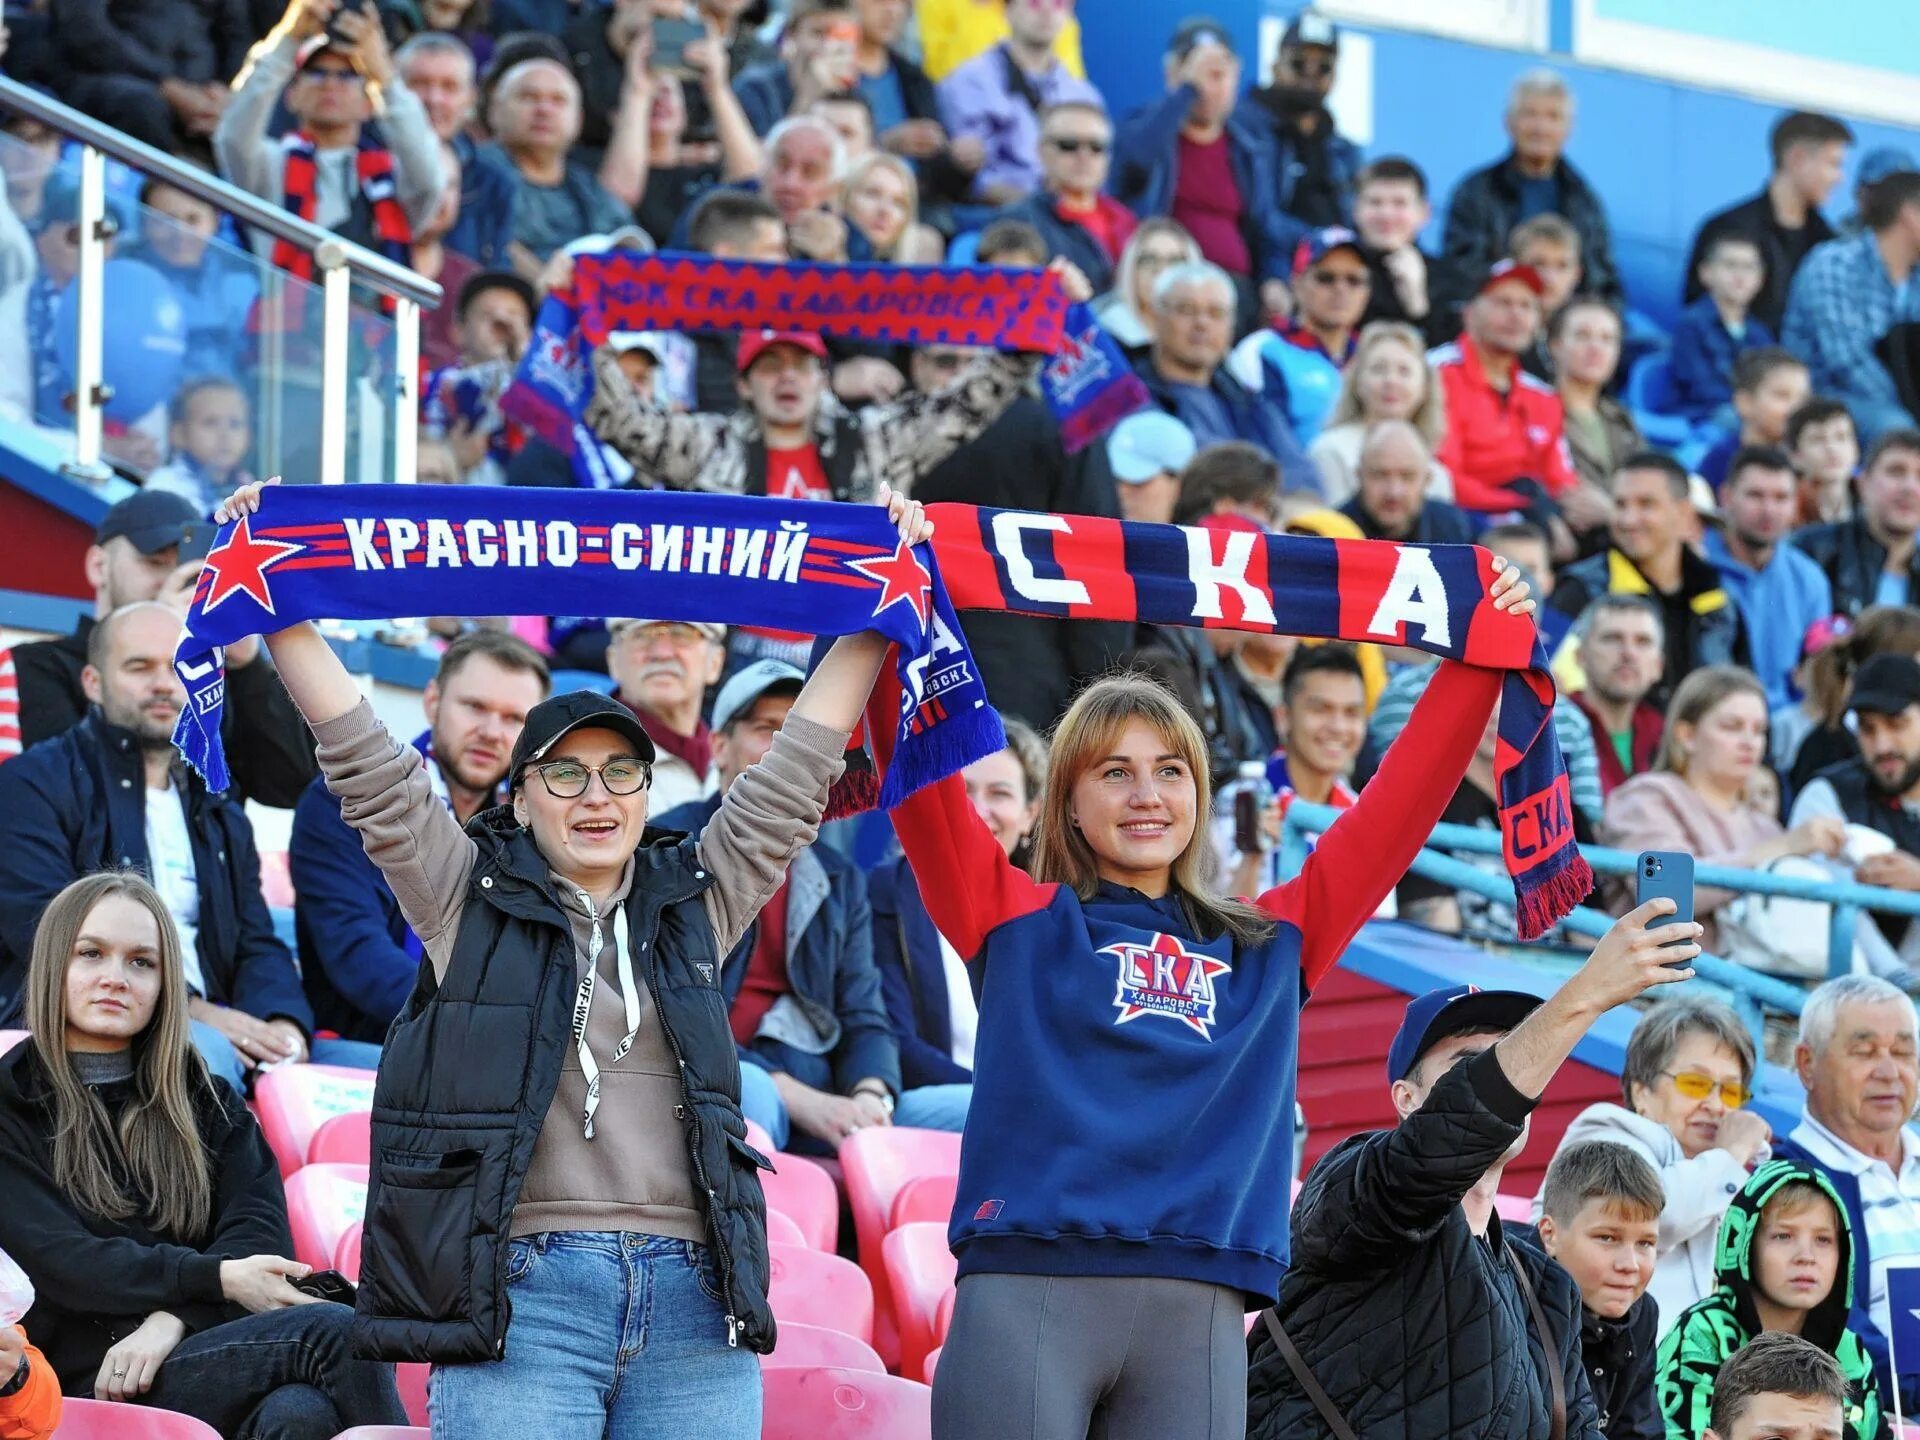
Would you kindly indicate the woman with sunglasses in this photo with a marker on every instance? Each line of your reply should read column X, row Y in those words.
column 564, row 1214
column 1686, row 1083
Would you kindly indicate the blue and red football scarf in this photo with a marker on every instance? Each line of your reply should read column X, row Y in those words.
column 366, row 552
column 1432, row 598
column 1087, row 381
column 392, row 230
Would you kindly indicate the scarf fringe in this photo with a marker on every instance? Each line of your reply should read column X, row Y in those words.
column 1544, row 899
column 940, row 749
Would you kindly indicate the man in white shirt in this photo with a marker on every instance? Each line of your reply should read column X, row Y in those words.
column 1857, row 1058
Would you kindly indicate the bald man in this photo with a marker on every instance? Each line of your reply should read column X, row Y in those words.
column 1391, row 503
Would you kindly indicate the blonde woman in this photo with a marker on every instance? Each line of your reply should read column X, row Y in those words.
column 1158, row 245
column 143, row 1202
column 1130, row 1140
column 1387, row 379
column 881, row 200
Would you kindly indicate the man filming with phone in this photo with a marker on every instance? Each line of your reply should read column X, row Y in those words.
column 1405, row 1310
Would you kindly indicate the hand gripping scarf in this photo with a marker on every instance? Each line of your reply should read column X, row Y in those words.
column 1087, row 381
column 371, row 552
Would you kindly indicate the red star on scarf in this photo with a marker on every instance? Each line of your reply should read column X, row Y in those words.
column 240, row 567
column 903, row 580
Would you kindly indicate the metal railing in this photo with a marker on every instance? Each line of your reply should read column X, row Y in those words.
column 1752, row 991
column 340, row 263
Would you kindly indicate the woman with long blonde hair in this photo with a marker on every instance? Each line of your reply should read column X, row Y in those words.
column 143, row 1202
column 881, row 199
column 1156, row 246
column 1124, row 1173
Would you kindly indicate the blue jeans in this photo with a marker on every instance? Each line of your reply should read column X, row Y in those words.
column 224, row 1061
column 761, row 1103
column 613, row 1335
column 931, row 1107
column 280, row 1375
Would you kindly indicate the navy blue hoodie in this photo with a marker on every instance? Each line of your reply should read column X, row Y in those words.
column 1133, row 1092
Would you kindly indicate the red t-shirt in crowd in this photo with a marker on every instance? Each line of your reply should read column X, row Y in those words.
column 1206, row 199
column 766, row 977
column 1097, row 221
column 797, row 474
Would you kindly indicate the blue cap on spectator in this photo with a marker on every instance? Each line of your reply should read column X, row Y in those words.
column 1146, row 443
column 743, row 691
column 1881, row 161
column 60, row 201
column 1457, row 1010
column 1316, row 245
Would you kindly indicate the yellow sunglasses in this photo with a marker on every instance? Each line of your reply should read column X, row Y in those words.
column 1696, row 1086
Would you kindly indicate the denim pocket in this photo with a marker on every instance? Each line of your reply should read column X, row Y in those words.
column 520, row 1257
column 705, row 1270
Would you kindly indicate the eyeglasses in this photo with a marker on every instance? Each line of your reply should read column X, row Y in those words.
column 1334, row 279
column 1695, row 1086
column 568, row 779
column 1073, row 145
column 333, row 74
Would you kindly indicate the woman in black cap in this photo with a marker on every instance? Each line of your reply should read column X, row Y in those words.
column 563, row 1213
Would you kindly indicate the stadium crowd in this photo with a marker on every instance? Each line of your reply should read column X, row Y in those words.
column 571, row 1226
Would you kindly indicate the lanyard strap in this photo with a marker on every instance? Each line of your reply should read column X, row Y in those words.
column 583, row 1003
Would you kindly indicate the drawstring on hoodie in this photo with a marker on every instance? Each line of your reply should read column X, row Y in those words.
column 583, row 1001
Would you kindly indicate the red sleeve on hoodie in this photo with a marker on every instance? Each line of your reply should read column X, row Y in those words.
column 1366, row 851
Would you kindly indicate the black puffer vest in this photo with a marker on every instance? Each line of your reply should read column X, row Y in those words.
column 469, row 1072
column 1867, row 805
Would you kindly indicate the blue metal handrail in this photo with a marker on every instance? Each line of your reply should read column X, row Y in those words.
column 1751, row 989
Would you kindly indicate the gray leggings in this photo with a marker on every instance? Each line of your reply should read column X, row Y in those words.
column 1038, row 1357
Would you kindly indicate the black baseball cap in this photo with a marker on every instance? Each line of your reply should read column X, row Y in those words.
column 1885, row 685
column 1310, row 27
column 1198, row 30
column 153, row 520
column 1456, row 1010
column 560, row 715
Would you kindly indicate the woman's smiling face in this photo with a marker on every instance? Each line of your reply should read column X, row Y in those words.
column 1135, row 805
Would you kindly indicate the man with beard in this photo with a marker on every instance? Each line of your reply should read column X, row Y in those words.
column 1880, row 789
column 661, row 671
column 1405, row 1311
column 1315, row 167
column 1779, row 590
column 1620, row 642
column 112, row 793
column 359, row 958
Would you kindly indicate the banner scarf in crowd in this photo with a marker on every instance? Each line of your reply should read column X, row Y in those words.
column 373, row 552
column 1087, row 381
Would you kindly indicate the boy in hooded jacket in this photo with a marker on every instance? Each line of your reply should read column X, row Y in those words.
column 1784, row 1262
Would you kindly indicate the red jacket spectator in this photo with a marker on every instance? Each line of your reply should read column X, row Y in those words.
column 1495, row 438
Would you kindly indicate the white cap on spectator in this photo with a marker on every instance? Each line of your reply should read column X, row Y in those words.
column 627, row 237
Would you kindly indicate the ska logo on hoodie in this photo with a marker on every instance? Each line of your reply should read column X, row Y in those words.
column 1166, row 978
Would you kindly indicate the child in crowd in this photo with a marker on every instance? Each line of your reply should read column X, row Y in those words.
column 1390, row 209
column 1779, row 1388
column 1769, row 384
column 1713, row 331
column 1825, row 449
column 210, row 430
column 1600, row 1221
column 1550, row 247
column 1785, row 1263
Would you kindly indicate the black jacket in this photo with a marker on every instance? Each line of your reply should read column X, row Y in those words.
column 1703, row 625
column 1414, row 1325
column 98, row 1280
column 1441, row 522
column 154, row 40
column 77, row 803
column 1486, row 206
column 452, row 1139
column 269, row 748
column 1031, row 665
column 913, row 977
column 1852, row 560
column 1620, row 1358
column 1065, row 237
column 1782, row 250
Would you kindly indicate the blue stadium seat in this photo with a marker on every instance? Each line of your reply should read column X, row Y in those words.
column 965, row 249
column 565, row 680
column 1649, row 395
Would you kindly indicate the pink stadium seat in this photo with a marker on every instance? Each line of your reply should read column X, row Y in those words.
column 11, row 1038
column 807, row 1195
column 878, row 1162
column 808, row 1347
column 943, row 1317
column 759, row 1139
column 276, row 880
column 1518, row 1209
column 410, row 1379
column 346, row 1255
column 933, row 1363
column 920, row 1270
column 813, row 1288
column 343, row 1140
column 296, row 1100
column 925, row 1197
column 783, row 1229
column 829, row 1404
column 322, row 1202
column 104, row 1420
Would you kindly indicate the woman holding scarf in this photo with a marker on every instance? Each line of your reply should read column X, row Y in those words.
column 564, row 1214
column 1124, row 1176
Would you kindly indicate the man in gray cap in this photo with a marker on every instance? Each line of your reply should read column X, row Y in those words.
column 818, row 1058
column 149, row 547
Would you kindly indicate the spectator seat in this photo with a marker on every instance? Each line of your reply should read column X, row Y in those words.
column 783, row 1229
column 346, row 1255
column 813, row 1288
column 807, row 1195
column 920, row 1271
column 933, row 1363
column 410, row 1379
column 877, row 1162
column 296, row 1100
column 323, row 1201
column 830, row 1404
column 11, row 1038
column 807, row 1347
column 759, row 1139
column 565, row 680
column 343, row 1140
column 1649, row 395
column 964, row 248
column 108, row 1420
column 276, row 880
column 925, row 1197
column 385, row 1432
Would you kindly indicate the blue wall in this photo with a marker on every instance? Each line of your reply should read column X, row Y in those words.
column 1662, row 155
